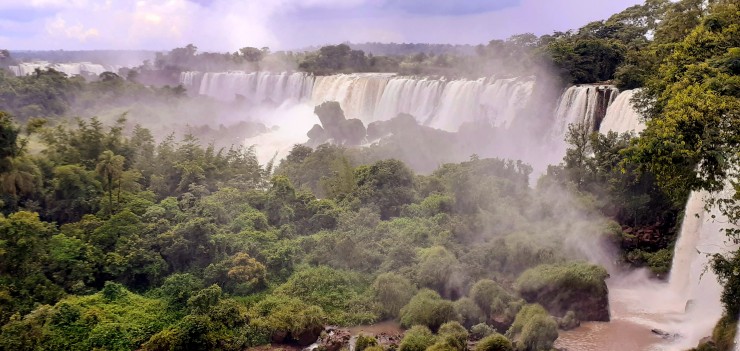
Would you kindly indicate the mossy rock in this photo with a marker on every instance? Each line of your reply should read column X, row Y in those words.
column 579, row 287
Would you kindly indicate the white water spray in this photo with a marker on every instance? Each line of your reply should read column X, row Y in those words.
column 437, row 103
column 621, row 116
column 70, row 69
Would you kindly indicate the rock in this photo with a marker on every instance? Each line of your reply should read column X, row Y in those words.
column 353, row 131
column 334, row 339
column 307, row 337
column 578, row 287
column 664, row 334
column 279, row 336
column 377, row 130
column 331, row 117
column 317, row 134
column 501, row 322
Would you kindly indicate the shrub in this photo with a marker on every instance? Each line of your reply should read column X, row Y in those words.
column 454, row 335
column 480, row 331
column 576, row 286
column 287, row 317
column 427, row 308
column 533, row 329
column 392, row 291
column 490, row 297
column 418, row 338
column 335, row 291
column 365, row 341
column 494, row 342
column 469, row 312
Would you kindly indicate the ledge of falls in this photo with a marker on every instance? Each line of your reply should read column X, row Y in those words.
column 70, row 69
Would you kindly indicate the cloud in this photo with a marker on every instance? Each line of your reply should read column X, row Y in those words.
column 59, row 27
column 449, row 8
column 226, row 25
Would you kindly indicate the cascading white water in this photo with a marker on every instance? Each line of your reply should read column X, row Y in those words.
column 516, row 94
column 417, row 97
column 692, row 280
column 581, row 104
column 70, row 69
column 256, row 87
column 621, row 116
column 687, row 306
column 358, row 94
column 437, row 103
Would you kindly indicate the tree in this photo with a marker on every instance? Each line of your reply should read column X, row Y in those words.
column 429, row 309
column 8, row 141
column 418, row 338
column 495, row 342
column 110, row 168
column 392, row 291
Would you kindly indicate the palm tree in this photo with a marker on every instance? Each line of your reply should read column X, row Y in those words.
column 110, row 168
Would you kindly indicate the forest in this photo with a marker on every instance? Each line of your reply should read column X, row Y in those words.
column 117, row 233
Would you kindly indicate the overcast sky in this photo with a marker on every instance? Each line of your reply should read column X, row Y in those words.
column 226, row 25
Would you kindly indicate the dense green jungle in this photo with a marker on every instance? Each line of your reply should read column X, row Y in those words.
column 121, row 232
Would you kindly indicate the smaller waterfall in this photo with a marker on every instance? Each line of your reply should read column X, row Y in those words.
column 586, row 104
column 70, row 69
column 687, row 306
column 621, row 116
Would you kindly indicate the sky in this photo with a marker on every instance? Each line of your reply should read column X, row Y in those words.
column 226, row 25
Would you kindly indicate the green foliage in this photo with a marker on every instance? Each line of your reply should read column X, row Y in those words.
column 727, row 268
column 336, row 292
column 494, row 342
column 418, row 338
column 469, row 312
column 392, row 291
column 576, row 286
column 490, row 297
column 533, row 329
column 723, row 334
column 364, row 342
column 436, row 268
column 387, row 184
column 454, row 335
column 427, row 308
column 287, row 317
column 480, row 331
column 114, row 319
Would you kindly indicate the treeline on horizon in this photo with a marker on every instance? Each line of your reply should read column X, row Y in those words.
column 624, row 48
column 112, row 238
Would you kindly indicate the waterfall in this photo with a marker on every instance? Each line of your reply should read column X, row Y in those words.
column 358, row 94
column 691, row 280
column 70, row 69
column 621, row 115
column 514, row 94
column 685, row 308
column 586, row 104
column 417, row 97
column 437, row 103
column 191, row 81
column 255, row 87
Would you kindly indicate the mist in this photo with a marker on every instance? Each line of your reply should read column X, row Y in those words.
column 312, row 174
